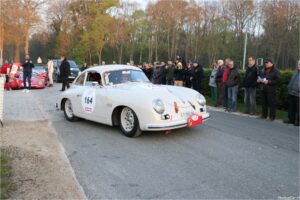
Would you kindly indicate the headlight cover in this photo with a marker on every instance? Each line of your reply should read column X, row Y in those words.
column 158, row 106
column 200, row 99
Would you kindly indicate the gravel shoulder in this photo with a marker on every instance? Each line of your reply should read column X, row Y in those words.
column 40, row 167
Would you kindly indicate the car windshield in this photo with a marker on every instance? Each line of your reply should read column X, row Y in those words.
column 33, row 75
column 39, row 69
column 71, row 62
column 124, row 76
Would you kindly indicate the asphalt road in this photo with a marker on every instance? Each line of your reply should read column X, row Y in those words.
column 230, row 156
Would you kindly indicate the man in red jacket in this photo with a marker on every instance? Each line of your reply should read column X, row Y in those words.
column 224, row 81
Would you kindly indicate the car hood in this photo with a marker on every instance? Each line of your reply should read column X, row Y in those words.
column 168, row 94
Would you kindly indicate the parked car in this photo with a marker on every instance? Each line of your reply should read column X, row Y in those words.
column 73, row 67
column 37, row 81
column 41, row 70
column 122, row 95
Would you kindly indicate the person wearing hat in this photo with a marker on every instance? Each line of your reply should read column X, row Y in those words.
column 269, row 79
column 197, row 76
column 293, row 97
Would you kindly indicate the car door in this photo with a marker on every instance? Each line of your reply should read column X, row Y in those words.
column 78, row 89
column 94, row 98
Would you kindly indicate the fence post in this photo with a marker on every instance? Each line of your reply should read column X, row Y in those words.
column 2, row 81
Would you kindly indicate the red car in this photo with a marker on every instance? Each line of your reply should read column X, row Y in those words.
column 37, row 80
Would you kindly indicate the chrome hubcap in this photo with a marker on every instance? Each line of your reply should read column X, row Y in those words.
column 127, row 119
column 68, row 108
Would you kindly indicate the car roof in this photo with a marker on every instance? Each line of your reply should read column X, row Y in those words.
column 105, row 68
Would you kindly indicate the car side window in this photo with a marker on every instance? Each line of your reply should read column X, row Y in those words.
column 80, row 79
column 93, row 79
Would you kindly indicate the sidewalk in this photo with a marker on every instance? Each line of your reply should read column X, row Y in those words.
column 41, row 169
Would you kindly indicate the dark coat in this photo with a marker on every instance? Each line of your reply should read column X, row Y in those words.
column 233, row 77
column 64, row 69
column 188, row 73
column 27, row 66
column 178, row 74
column 219, row 74
column 250, row 80
column 273, row 76
column 293, row 87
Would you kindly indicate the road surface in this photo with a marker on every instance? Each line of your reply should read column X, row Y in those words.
column 231, row 156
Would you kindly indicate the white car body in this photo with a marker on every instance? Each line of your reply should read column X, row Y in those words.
column 106, row 100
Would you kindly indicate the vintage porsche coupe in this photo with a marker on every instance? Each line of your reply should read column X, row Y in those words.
column 122, row 95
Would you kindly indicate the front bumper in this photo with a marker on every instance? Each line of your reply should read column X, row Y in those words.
column 172, row 125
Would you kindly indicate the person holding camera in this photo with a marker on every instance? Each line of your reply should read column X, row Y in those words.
column 27, row 73
column 269, row 79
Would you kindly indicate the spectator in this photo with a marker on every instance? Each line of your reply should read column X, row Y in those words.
column 163, row 73
column 27, row 72
column 250, row 82
column 219, row 83
column 50, row 68
column 84, row 67
column 198, row 75
column 232, row 84
column 149, row 71
column 156, row 73
column 212, row 81
column 178, row 72
column 64, row 73
column 269, row 79
column 188, row 73
column 293, row 98
column 224, row 80
column 170, row 73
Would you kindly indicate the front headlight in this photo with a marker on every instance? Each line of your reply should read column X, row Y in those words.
column 200, row 99
column 158, row 106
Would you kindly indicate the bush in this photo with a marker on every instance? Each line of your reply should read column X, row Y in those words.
column 282, row 102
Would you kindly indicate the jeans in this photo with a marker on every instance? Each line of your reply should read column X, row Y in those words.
column 225, row 100
column 232, row 98
column 250, row 100
column 28, row 76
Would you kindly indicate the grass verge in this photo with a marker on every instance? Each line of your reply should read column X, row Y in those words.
column 5, row 176
column 280, row 114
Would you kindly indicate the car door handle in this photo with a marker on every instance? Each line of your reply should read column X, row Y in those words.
column 78, row 95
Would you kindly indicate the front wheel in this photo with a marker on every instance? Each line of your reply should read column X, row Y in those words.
column 68, row 110
column 129, row 123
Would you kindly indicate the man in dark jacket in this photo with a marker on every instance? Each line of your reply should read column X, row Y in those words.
column 232, row 84
column 197, row 76
column 250, row 82
column 269, row 78
column 64, row 69
column 162, row 74
column 170, row 73
column 27, row 72
column 188, row 73
column 293, row 98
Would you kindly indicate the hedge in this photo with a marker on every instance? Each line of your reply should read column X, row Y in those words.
column 282, row 102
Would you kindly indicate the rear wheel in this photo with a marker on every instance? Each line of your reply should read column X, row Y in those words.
column 129, row 123
column 68, row 110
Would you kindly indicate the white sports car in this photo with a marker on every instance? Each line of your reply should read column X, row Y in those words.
column 121, row 95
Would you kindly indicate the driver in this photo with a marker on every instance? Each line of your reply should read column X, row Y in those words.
column 124, row 78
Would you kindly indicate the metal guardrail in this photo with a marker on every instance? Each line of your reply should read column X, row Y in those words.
column 2, row 81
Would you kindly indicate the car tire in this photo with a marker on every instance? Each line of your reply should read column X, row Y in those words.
column 68, row 110
column 129, row 123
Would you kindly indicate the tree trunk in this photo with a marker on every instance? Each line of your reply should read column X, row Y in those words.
column 17, row 53
column 100, row 56
column 90, row 58
column 26, row 48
